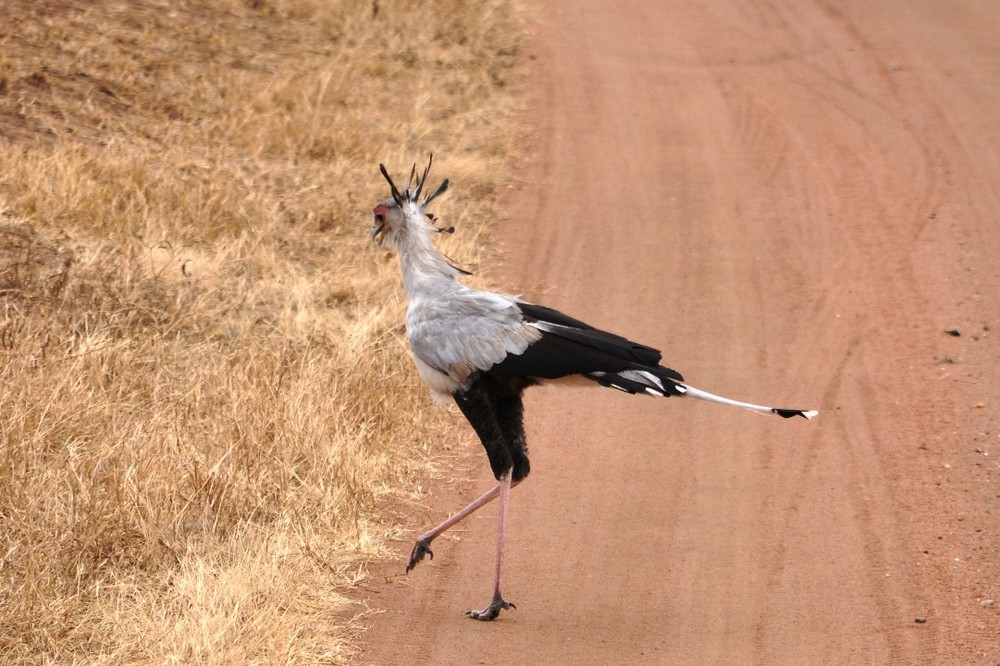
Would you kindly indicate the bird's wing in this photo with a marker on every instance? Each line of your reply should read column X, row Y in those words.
column 467, row 332
column 472, row 331
column 569, row 346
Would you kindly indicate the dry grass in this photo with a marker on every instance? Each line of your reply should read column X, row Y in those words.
column 206, row 399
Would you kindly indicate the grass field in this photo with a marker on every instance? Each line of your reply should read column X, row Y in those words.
column 207, row 409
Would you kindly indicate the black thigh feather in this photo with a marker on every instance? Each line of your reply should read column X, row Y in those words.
column 494, row 408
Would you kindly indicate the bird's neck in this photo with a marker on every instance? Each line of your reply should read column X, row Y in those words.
column 424, row 267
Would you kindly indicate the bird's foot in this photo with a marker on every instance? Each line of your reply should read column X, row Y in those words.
column 421, row 548
column 490, row 613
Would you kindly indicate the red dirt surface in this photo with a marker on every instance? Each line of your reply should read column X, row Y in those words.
column 794, row 201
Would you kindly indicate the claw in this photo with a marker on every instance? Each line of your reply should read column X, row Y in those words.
column 491, row 613
column 421, row 548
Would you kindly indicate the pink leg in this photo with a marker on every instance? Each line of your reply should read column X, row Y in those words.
column 498, row 603
column 423, row 545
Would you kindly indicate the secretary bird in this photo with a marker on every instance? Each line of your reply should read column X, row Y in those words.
column 483, row 349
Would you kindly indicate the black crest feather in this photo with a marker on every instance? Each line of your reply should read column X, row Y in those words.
column 396, row 196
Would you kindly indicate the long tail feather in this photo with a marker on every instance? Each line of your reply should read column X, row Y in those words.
column 692, row 392
column 665, row 382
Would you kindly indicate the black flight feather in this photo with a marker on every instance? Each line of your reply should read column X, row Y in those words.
column 578, row 331
column 572, row 347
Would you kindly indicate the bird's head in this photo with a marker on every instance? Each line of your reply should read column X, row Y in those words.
column 395, row 219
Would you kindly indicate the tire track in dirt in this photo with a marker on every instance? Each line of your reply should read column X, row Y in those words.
column 857, row 445
column 762, row 190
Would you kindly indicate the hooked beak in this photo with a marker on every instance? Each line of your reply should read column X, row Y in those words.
column 378, row 224
column 378, row 228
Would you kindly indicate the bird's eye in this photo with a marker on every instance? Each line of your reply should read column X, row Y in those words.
column 379, row 217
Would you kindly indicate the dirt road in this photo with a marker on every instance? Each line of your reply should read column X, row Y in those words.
column 794, row 201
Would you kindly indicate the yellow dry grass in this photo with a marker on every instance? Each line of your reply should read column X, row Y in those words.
column 206, row 402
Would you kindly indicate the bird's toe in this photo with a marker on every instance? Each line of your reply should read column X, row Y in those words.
column 421, row 548
column 492, row 611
